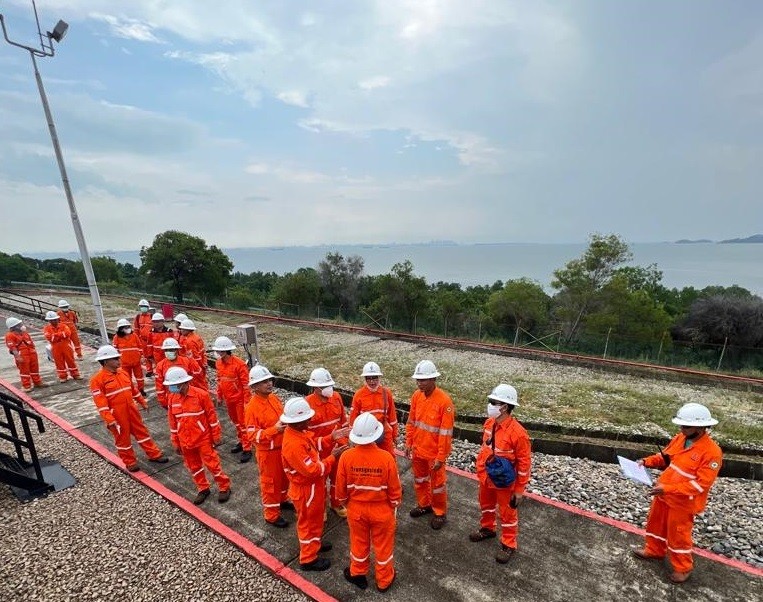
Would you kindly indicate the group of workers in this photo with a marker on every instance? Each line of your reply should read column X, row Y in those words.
column 313, row 455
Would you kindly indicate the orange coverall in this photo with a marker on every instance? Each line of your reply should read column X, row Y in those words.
column 21, row 346
column 115, row 396
column 232, row 388
column 71, row 319
column 511, row 442
column 59, row 338
column 261, row 414
column 131, row 353
column 187, row 364
column 366, row 400
column 329, row 416
column 194, row 431
column 367, row 479
column 687, row 481
column 307, row 486
column 429, row 435
column 194, row 347
column 142, row 326
column 154, row 350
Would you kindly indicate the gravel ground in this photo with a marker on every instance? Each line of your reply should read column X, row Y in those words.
column 110, row 538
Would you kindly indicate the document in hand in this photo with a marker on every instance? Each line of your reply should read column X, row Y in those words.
column 634, row 471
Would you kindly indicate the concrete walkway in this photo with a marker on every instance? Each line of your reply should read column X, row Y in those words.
column 563, row 554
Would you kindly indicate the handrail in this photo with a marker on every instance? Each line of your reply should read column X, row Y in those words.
column 11, row 405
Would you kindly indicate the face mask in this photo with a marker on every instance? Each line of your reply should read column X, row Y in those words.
column 327, row 391
column 23, row 328
column 171, row 355
column 493, row 411
column 218, row 355
column 66, row 310
column 128, row 330
column 144, row 310
column 174, row 388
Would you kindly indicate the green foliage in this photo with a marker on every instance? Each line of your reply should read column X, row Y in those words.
column 187, row 263
column 399, row 298
column 13, row 267
column 520, row 303
column 340, row 279
column 301, row 289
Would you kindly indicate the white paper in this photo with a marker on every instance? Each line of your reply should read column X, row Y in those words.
column 634, row 471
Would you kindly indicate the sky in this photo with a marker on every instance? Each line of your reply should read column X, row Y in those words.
column 280, row 123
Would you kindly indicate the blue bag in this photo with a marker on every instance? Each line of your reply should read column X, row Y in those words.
column 499, row 470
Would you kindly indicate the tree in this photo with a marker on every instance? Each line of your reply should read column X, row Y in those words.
column 719, row 318
column 340, row 279
column 187, row 264
column 13, row 267
column 302, row 288
column 521, row 303
column 106, row 269
column 582, row 279
column 399, row 296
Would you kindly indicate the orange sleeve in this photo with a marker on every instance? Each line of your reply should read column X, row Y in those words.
column 99, row 397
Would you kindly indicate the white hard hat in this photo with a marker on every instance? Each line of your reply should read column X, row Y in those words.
column 505, row 394
column 187, row 325
column 366, row 429
column 223, row 344
column 371, row 369
column 179, row 318
column 122, row 322
column 320, row 377
column 63, row 303
column 106, row 352
column 170, row 343
column 176, row 376
column 11, row 322
column 425, row 369
column 143, row 303
column 157, row 317
column 258, row 374
column 694, row 414
column 51, row 315
column 296, row 410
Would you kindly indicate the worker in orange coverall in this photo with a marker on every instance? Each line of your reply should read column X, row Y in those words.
column 262, row 417
column 159, row 332
column 428, row 441
column 307, row 471
column 329, row 415
column 71, row 319
column 691, row 461
column 232, row 386
column 21, row 346
column 376, row 398
column 131, row 351
column 504, row 437
column 142, row 326
column 115, row 396
column 59, row 337
column 368, row 481
column 195, row 432
column 172, row 357
column 193, row 346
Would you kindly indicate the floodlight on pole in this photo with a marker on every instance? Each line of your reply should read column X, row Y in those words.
column 45, row 50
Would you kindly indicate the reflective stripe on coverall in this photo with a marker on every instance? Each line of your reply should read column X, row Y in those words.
column 21, row 346
column 233, row 387
column 329, row 416
column 687, row 481
column 131, row 354
column 142, row 326
column 511, row 442
column 154, row 344
column 368, row 481
column 307, row 486
column 71, row 319
column 194, row 430
column 59, row 338
column 429, row 435
column 261, row 414
column 115, row 396
column 366, row 400
column 191, row 368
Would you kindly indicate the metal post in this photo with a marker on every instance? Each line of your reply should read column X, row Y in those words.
column 606, row 344
column 723, row 351
column 89, row 274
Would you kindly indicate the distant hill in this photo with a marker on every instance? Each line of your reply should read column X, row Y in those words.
column 686, row 241
column 753, row 238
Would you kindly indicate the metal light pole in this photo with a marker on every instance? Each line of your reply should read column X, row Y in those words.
column 46, row 49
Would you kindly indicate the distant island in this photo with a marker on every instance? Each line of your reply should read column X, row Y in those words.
column 686, row 241
column 753, row 238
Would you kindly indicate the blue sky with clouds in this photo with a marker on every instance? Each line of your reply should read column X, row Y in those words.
column 297, row 123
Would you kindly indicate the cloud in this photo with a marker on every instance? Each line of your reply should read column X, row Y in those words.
column 380, row 81
column 293, row 97
column 130, row 29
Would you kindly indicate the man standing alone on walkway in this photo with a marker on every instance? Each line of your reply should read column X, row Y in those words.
column 691, row 462
column 428, row 441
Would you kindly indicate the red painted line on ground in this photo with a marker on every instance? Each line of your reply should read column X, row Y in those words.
column 245, row 545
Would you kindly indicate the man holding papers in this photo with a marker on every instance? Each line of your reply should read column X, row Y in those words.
column 691, row 462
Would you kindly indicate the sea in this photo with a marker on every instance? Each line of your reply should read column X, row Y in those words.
column 682, row 265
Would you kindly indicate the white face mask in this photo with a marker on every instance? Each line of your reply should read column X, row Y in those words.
column 171, row 355
column 493, row 411
column 23, row 328
column 327, row 391
column 127, row 330
column 218, row 355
